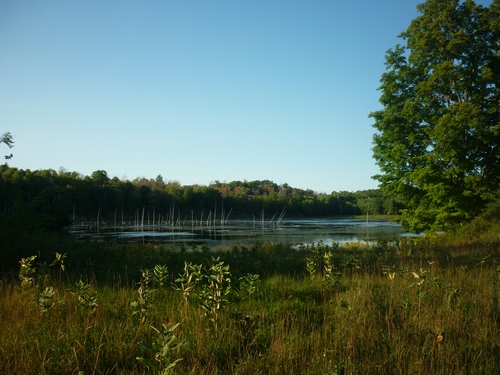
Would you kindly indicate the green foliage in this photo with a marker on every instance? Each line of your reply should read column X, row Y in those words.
column 188, row 280
column 7, row 139
column 31, row 274
column 44, row 298
column 437, row 141
column 331, row 275
column 27, row 272
column 311, row 267
column 35, row 277
column 320, row 260
column 143, row 302
column 162, row 350
column 85, row 296
column 160, row 275
column 249, row 284
column 215, row 294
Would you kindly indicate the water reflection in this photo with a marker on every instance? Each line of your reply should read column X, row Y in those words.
column 295, row 231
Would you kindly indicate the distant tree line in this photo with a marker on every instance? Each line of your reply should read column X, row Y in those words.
column 65, row 196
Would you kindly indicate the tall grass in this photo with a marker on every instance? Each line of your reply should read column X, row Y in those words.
column 416, row 306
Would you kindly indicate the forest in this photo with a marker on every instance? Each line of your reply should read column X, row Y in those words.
column 69, row 196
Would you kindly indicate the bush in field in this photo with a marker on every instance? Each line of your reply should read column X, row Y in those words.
column 215, row 293
column 35, row 279
column 161, row 350
column 188, row 281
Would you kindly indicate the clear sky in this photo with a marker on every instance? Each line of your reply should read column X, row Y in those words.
column 198, row 91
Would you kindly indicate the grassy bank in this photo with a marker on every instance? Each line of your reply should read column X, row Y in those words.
column 428, row 305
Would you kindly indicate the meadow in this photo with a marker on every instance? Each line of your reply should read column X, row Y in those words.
column 417, row 305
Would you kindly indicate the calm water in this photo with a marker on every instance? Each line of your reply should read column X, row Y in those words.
column 296, row 231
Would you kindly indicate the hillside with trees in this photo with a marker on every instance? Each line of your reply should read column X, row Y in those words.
column 66, row 196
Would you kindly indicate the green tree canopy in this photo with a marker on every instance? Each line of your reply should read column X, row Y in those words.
column 438, row 136
column 100, row 177
column 7, row 139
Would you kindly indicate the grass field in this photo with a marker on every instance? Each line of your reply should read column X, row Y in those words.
column 417, row 306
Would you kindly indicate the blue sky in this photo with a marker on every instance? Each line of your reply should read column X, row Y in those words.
column 198, row 91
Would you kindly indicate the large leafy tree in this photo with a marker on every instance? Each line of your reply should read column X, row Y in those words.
column 438, row 138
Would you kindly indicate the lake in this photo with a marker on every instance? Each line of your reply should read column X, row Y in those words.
column 230, row 232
